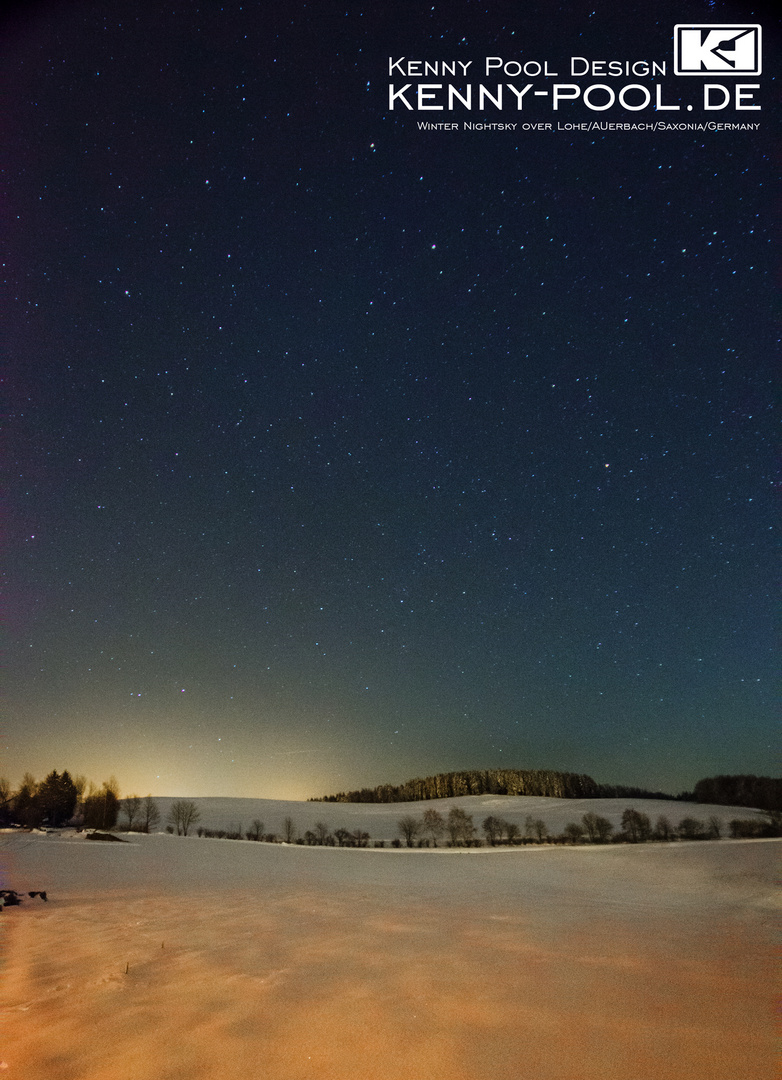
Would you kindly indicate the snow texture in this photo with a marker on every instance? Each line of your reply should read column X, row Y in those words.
column 169, row 957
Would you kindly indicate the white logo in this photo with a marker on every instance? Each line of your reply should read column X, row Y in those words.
column 708, row 49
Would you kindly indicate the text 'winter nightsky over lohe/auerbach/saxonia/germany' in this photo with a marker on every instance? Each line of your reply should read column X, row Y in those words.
column 342, row 451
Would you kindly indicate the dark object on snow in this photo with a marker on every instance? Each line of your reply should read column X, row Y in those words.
column 105, row 836
column 10, row 897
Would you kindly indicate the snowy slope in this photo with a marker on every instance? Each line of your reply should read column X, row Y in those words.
column 380, row 819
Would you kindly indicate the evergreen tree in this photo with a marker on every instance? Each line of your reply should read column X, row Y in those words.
column 27, row 809
column 478, row 782
column 5, row 800
column 57, row 798
column 761, row 792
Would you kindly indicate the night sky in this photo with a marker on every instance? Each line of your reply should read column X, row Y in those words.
column 341, row 452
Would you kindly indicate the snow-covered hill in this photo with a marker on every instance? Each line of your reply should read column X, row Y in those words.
column 380, row 819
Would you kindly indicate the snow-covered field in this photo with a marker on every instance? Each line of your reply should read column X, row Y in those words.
column 169, row 957
column 380, row 819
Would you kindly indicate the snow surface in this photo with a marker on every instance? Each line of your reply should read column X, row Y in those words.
column 170, row 957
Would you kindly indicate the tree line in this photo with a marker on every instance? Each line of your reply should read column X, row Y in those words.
column 762, row 792
column 60, row 799
column 320, row 835
column 458, row 829
column 636, row 828
column 759, row 792
column 558, row 785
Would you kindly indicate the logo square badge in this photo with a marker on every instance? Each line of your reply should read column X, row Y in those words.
column 716, row 49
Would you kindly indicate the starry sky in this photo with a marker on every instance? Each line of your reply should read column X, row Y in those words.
column 341, row 451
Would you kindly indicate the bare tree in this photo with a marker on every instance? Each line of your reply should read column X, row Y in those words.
column 589, row 821
column 409, row 828
column 691, row 829
column 715, row 827
column 289, row 831
column 637, row 826
column 256, row 832
column 183, row 814
column 460, row 827
column 434, row 824
column 598, row 828
column 150, row 815
column 132, row 808
column 539, row 829
column 512, row 832
column 29, row 782
column 575, row 832
column 453, row 825
column 773, row 822
column 663, row 828
column 494, row 828
column 101, row 805
column 604, row 829
column 321, row 831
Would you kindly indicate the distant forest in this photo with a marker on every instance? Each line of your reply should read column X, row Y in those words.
column 762, row 792
column 558, row 785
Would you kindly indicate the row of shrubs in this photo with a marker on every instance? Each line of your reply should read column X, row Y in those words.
column 458, row 830
column 636, row 827
column 320, row 837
